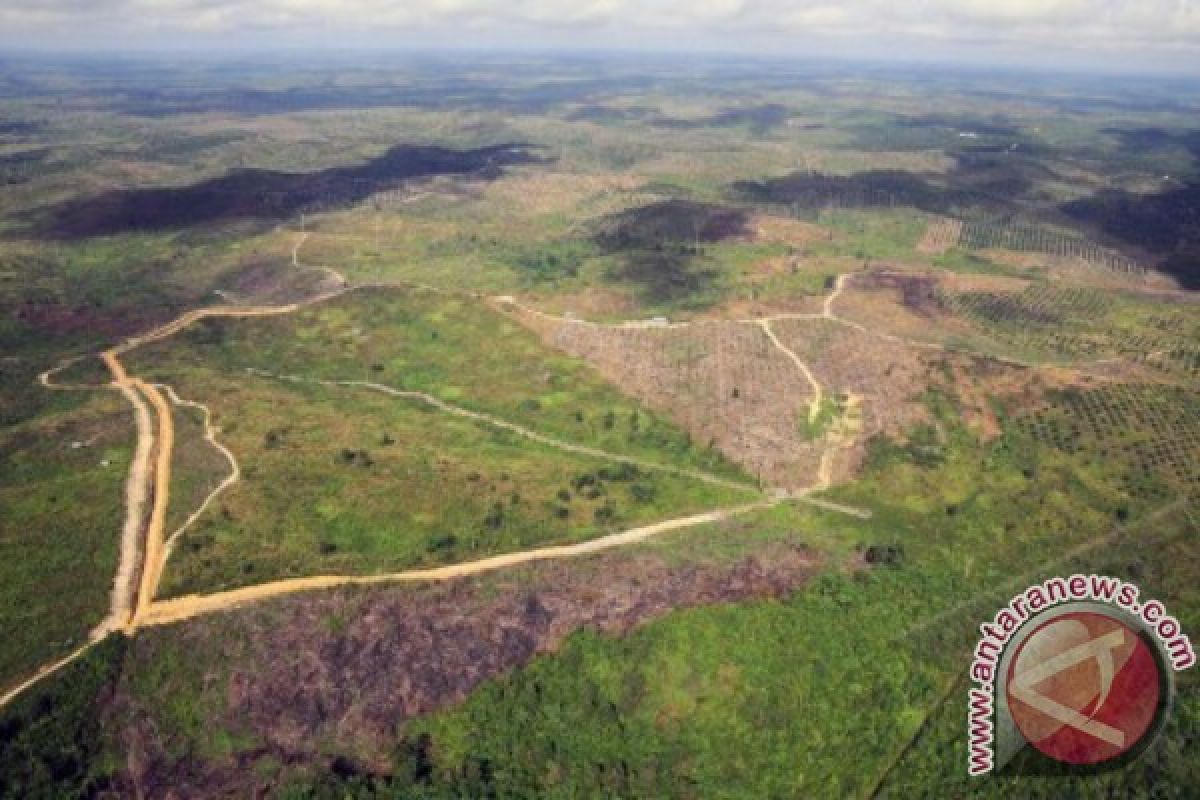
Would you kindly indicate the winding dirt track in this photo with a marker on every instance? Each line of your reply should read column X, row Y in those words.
column 143, row 540
column 520, row 430
column 814, row 405
column 144, row 544
column 210, row 436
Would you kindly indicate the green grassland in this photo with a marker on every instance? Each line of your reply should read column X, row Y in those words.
column 876, row 235
column 455, row 348
column 1162, row 556
column 197, row 467
column 340, row 480
column 775, row 698
column 60, row 528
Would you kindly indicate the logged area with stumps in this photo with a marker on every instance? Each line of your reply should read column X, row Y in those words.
column 553, row 428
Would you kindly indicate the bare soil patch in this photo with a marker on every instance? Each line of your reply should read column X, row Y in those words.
column 785, row 230
column 723, row 382
column 884, row 378
column 879, row 304
column 745, row 308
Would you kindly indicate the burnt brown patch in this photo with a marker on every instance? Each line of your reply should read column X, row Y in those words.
column 348, row 668
column 918, row 292
column 671, row 221
column 61, row 319
column 661, row 246
column 974, row 184
column 258, row 194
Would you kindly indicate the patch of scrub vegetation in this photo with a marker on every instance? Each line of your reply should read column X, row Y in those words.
column 453, row 347
column 830, row 409
column 346, row 480
column 53, row 742
column 1162, row 556
column 68, row 299
column 61, row 490
column 197, row 467
column 705, row 701
column 875, row 235
column 548, row 262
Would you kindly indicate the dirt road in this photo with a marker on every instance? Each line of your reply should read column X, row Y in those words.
column 153, row 555
column 182, row 608
column 143, row 540
column 137, row 492
column 814, row 405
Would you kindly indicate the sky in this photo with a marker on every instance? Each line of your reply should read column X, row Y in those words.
column 1113, row 35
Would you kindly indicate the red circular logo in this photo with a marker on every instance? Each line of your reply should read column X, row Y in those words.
column 1084, row 688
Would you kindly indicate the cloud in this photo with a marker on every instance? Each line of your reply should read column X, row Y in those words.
column 1099, row 27
column 1018, row 11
